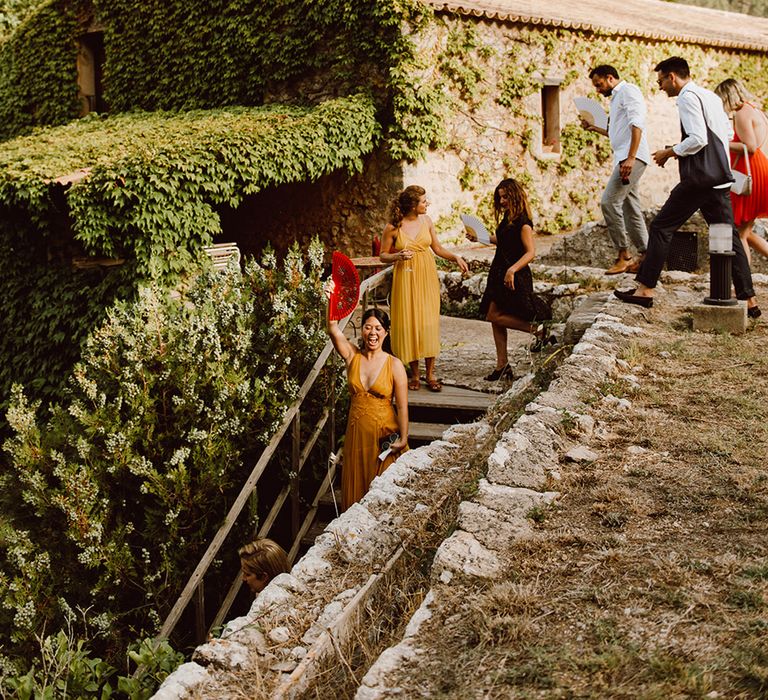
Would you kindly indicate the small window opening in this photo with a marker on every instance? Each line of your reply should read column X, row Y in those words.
column 90, row 72
column 550, row 111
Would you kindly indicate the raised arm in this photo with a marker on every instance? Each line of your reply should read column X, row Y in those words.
column 401, row 399
column 442, row 252
column 339, row 340
column 591, row 127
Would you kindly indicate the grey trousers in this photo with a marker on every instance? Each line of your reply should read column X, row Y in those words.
column 621, row 208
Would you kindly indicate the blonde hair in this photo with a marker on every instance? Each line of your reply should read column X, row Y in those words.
column 733, row 94
column 405, row 203
column 263, row 556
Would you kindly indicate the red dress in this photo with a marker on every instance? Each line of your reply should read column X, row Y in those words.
column 753, row 206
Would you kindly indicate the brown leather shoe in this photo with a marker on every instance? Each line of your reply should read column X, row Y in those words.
column 634, row 267
column 619, row 266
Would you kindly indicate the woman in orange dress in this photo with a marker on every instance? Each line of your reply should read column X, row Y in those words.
column 374, row 377
column 751, row 128
column 408, row 241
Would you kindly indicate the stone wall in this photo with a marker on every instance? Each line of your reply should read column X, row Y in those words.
column 345, row 211
column 303, row 617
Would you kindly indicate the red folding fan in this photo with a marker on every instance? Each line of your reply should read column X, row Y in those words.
column 346, row 291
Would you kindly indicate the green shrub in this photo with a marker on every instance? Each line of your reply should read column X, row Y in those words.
column 111, row 498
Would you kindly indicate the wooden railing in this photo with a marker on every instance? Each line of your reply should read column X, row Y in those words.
column 194, row 589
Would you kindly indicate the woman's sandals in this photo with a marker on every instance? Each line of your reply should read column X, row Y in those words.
column 434, row 384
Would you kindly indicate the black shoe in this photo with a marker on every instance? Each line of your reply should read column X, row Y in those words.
column 542, row 340
column 629, row 297
column 504, row 373
column 754, row 312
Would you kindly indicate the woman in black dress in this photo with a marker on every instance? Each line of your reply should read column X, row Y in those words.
column 509, row 301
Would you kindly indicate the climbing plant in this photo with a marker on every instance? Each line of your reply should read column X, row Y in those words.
column 202, row 54
column 154, row 179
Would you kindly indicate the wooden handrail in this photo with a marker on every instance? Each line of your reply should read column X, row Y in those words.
column 195, row 579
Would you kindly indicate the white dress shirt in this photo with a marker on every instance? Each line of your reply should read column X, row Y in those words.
column 627, row 110
column 692, row 119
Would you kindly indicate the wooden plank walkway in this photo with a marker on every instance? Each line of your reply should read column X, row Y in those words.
column 451, row 397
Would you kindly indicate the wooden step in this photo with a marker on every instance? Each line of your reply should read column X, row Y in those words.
column 451, row 397
column 426, row 432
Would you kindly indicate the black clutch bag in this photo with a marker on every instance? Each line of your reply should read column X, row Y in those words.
column 386, row 442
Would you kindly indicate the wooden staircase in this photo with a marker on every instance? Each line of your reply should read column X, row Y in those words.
column 432, row 413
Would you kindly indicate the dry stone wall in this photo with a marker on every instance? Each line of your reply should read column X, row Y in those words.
column 296, row 624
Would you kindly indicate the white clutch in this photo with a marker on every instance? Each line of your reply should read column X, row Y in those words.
column 742, row 183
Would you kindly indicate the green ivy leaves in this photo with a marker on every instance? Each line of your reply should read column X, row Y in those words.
column 155, row 179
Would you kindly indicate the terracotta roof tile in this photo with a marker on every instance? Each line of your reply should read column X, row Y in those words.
column 651, row 19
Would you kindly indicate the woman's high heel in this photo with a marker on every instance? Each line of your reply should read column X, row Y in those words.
column 542, row 339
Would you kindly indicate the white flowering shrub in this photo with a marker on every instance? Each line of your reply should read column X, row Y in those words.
column 108, row 501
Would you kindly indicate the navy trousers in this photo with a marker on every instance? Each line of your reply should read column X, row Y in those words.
column 683, row 201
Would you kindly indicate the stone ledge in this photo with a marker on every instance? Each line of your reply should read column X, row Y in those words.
column 495, row 518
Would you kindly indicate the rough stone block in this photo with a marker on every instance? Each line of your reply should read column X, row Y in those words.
column 724, row 319
column 361, row 537
column 492, row 529
column 222, row 653
column 462, row 554
column 182, row 682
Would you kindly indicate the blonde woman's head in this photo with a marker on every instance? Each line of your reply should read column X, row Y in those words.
column 733, row 94
column 260, row 561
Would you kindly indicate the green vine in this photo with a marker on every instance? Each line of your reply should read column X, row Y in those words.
column 582, row 149
column 155, row 180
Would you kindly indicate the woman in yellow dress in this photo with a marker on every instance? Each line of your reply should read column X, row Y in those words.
column 374, row 376
column 408, row 241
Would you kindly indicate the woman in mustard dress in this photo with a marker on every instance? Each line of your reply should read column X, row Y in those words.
column 374, row 377
column 408, row 241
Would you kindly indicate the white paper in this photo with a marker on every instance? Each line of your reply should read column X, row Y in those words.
column 477, row 228
column 591, row 111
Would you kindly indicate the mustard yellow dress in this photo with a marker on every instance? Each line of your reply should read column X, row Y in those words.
column 371, row 418
column 415, row 299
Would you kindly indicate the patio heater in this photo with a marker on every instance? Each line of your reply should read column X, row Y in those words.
column 720, row 263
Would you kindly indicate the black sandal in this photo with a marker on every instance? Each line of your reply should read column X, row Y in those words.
column 504, row 372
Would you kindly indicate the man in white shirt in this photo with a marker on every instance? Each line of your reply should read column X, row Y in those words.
column 626, row 130
column 700, row 110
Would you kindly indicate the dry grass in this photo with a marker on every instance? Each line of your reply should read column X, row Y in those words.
column 650, row 580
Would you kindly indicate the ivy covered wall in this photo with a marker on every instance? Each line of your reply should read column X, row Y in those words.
column 195, row 54
column 38, row 70
column 492, row 73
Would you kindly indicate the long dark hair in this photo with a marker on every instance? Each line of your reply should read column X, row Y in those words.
column 518, row 201
column 383, row 319
column 405, row 203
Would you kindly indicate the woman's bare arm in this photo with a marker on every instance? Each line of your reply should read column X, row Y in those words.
column 745, row 130
column 526, row 234
column 442, row 252
column 388, row 254
column 401, row 399
column 339, row 340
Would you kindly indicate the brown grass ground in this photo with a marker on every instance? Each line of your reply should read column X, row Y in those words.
column 649, row 579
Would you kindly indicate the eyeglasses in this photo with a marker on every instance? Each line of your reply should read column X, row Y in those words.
column 661, row 80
